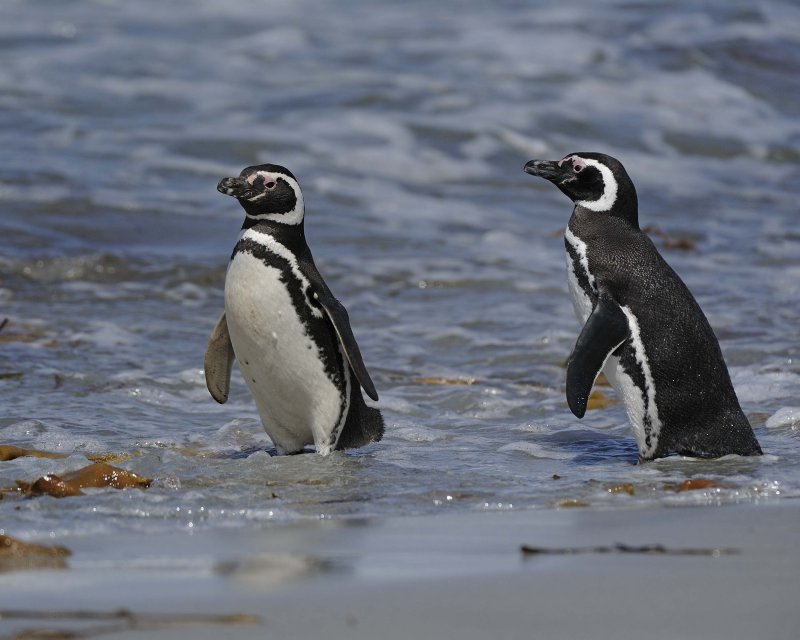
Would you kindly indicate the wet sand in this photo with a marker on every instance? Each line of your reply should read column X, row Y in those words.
column 715, row 572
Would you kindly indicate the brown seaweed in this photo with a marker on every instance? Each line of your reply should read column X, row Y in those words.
column 647, row 549
column 599, row 400
column 695, row 484
column 10, row 452
column 16, row 555
column 117, row 621
column 94, row 476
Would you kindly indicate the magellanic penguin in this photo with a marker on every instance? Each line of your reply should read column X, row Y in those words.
column 641, row 325
column 291, row 337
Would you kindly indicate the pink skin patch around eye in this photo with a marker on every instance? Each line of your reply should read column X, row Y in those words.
column 577, row 163
column 268, row 178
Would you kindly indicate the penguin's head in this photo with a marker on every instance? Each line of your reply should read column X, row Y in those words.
column 593, row 181
column 267, row 192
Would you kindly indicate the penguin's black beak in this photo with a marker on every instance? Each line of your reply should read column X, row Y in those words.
column 236, row 187
column 550, row 170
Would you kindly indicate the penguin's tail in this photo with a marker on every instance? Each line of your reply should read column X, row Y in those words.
column 730, row 433
column 363, row 425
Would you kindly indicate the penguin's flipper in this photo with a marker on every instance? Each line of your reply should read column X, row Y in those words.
column 604, row 331
column 219, row 361
column 337, row 314
column 341, row 323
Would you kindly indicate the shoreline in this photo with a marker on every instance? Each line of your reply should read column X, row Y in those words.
column 449, row 575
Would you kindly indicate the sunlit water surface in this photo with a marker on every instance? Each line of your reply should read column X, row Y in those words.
column 407, row 125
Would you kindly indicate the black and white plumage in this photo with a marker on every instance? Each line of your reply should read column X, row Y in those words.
column 290, row 335
column 641, row 325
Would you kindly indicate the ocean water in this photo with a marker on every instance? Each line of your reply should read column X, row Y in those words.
column 407, row 125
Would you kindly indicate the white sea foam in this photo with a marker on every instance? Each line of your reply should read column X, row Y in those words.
column 785, row 417
column 418, row 434
column 758, row 386
column 535, row 450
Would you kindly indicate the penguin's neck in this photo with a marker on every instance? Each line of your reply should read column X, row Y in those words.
column 291, row 236
column 586, row 223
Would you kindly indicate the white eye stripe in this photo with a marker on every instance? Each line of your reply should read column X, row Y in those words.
column 610, row 187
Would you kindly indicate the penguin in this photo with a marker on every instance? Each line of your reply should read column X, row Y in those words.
column 641, row 325
column 289, row 334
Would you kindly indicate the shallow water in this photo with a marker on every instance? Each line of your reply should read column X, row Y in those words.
column 407, row 125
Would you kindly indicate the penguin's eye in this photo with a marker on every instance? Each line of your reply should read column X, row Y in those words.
column 578, row 164
column 267, row 182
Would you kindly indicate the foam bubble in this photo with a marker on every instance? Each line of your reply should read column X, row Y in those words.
column 785, row 417
column 535, row 450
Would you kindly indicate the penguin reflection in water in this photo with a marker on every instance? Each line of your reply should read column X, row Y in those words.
column 641, row 325
column 291, row 337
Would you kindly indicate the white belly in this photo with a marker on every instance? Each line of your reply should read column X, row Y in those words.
column 631, row 397
column 581, row 302
column 297, row 401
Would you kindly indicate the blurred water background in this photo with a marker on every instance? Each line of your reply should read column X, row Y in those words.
column 407, row 125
